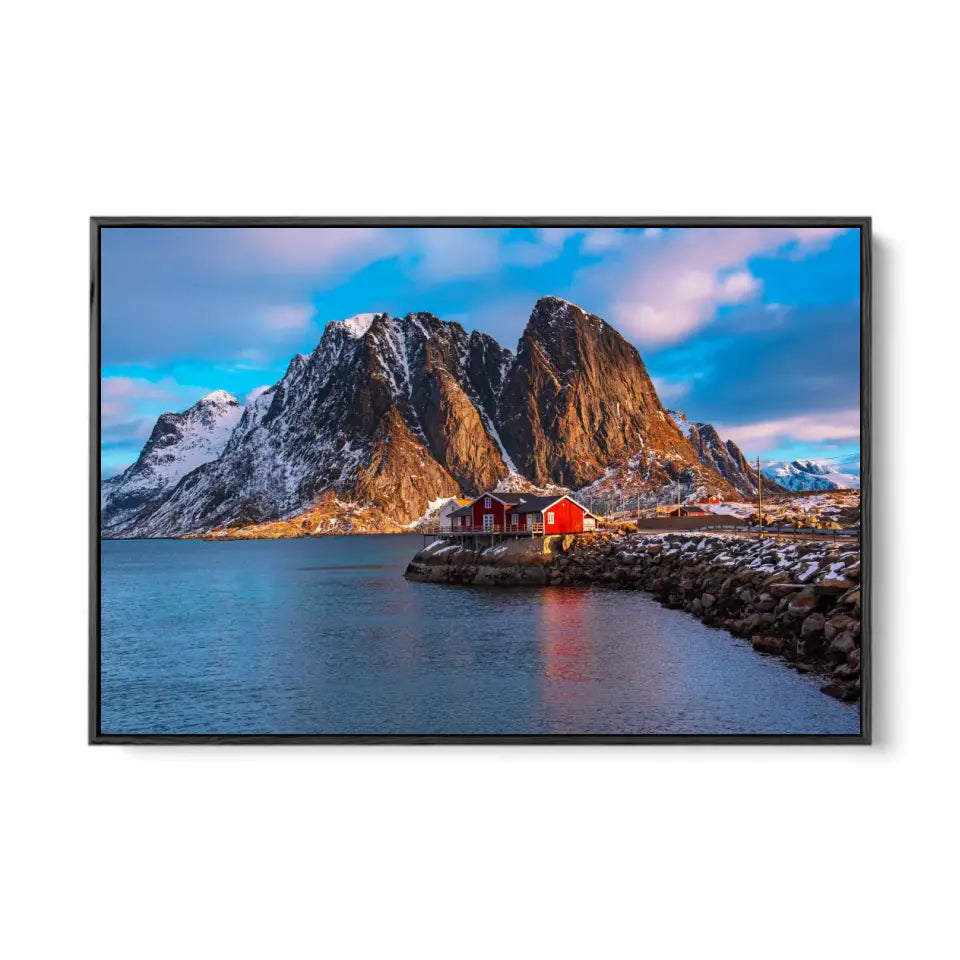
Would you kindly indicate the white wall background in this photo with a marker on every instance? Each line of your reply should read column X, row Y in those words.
column 432, row 108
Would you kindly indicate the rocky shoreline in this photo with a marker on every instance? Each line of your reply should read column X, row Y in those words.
column 798, row 600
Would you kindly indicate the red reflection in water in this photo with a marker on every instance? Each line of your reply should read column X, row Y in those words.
column 566, row 634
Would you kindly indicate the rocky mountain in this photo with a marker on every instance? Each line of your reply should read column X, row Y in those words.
column 178, row 444
column 388, row 414
column 800, row 475
column 723, row 457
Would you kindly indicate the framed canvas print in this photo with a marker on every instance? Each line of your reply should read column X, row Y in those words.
column 480, row 479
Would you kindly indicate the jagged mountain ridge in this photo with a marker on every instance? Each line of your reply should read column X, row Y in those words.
column 723, row 457
column 391, row 413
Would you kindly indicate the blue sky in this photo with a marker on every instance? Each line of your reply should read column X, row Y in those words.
column 755, row 330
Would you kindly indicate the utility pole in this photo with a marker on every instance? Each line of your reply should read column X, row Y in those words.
column 678, row 496
column 760, row 497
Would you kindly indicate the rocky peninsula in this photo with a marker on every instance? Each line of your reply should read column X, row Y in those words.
column 795, row 599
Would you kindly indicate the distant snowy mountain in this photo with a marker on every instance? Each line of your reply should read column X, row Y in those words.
column 843, row 474
column 179, row 443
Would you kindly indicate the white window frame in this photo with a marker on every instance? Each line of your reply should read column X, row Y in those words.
column 487, row 503
column 487, row 522
column 550, row 516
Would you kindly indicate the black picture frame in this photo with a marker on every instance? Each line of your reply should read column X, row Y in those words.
column 863, row 224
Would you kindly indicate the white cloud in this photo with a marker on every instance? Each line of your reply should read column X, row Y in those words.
column 836, row 426
column 287, row 319
column 556, row 236
column 666, row 287
column 602, row 239
column 547, row 246
column 318, row 251
column 741, row 285
column 445, row 253
column 670, row 390
column 254, row 393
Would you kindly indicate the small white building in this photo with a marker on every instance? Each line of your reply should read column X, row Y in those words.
column 443, row 514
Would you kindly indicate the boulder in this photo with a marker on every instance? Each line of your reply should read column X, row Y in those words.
column 812, row 625
column 846, row 671
column 803, row 603
column 764, row 644
column 837, row 624
column 766, row 603
column 707, row 600
column 654, row 549
column 841, row 646
column 809, row 646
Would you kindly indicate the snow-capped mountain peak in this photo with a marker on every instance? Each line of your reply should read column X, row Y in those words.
column 179, row 443
column 220, row 398
column 355, row 327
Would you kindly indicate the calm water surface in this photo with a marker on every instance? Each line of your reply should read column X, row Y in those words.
column 325, row 636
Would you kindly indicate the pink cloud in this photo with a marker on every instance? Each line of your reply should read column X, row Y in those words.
column 136, row 388
column 125, row 399
column 830, row 427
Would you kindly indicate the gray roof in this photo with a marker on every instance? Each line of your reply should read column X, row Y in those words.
column 462, row 512
column 535, row 504
column 511, row 498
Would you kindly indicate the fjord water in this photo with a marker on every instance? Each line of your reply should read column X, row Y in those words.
column 325, row 636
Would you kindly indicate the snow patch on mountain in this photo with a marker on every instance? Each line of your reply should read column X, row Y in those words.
column 680, row 419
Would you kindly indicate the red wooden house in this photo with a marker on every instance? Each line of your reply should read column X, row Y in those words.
column 522, row 513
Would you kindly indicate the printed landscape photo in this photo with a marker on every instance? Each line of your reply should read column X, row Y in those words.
column 474, row 481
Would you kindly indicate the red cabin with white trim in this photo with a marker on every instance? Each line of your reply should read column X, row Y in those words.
column 521, row 513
